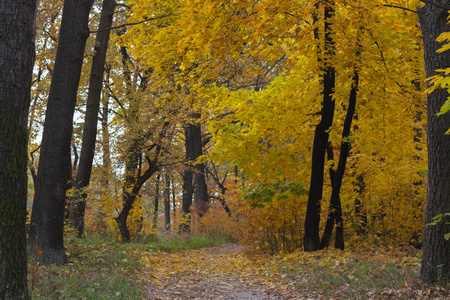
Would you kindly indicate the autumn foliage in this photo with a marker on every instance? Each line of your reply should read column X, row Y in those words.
column 251, row 71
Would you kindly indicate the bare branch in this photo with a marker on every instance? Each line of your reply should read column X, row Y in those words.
column 130, row 24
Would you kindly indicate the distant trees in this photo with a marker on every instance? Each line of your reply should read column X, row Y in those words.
column 17, row 31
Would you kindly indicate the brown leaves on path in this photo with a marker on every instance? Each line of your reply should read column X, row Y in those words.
column 223, row 272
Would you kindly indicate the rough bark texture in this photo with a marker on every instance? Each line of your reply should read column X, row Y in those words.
column 78, row 201
column 17, row 32
column 311, row 239
column 436, row 250
column 47, row 220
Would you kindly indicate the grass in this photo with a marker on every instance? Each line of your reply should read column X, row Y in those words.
column 170, row 243
column 105, row 269
column 96, row 270
column 370, row 274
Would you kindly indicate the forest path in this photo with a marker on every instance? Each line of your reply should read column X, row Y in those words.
column 223, row 272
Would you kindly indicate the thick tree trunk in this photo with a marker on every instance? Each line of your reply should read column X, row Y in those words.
column 436, row 250
column 311, row 239
column 201, row 199
column 17, row 31
column 167, row 203
column 78, row 201
column 47, row 220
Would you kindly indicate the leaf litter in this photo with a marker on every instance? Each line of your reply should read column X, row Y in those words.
column 228, row 272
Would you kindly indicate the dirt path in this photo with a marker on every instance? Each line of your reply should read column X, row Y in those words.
column 223, row 272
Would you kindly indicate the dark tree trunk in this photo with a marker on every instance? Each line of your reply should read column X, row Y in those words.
column 106, row 158
column 131, row 188
column 335, row 209
column 78, row 201
column 201, row 199
column 47, row 220
column 436, row 250
column 173, row 198
column 17, row 31
column 188, row 189
column 311, row 239
column 167, row 203
column 221, row 186
column 156, row 202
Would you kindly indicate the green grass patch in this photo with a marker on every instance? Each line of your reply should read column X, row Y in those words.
column 171, row 243
column 105, row 268
column 97, row 269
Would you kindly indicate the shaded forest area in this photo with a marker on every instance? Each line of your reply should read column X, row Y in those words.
column 284, row 126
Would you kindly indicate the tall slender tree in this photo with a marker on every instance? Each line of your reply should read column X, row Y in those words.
column 78, row 201
column 167, row 202
column 47, row 220
column 436, row 250
column 311, row 240
column 17, row 29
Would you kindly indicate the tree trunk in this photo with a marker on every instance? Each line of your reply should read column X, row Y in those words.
column 17, row 29
column 131, row 189
column 174, row 208
column 188, row 189
column 311, row 239
column 436, row 250
column 167, row 203
column 156, row 202
column 47, row 220
column 335, row 210
column 201, row 199
column 78, row 201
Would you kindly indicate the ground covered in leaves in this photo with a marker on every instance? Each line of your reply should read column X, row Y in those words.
column 108, row 270
column 228, row 272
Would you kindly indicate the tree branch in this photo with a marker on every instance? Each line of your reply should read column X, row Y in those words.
column 400, row 7
column 130, row 24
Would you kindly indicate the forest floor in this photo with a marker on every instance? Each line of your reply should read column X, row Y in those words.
column 223, row 272
column 227, row 272
column 192, row 269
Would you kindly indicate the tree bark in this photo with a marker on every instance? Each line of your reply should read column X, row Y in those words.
column 335, row 210
column 17, row 31
column 131, row 189
column 311, row 239
column 436, row 250
column 47, row 220
column 188, row 189
column 201, row 199
column 167, row 203
column 156, row 202
column 78, row 201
